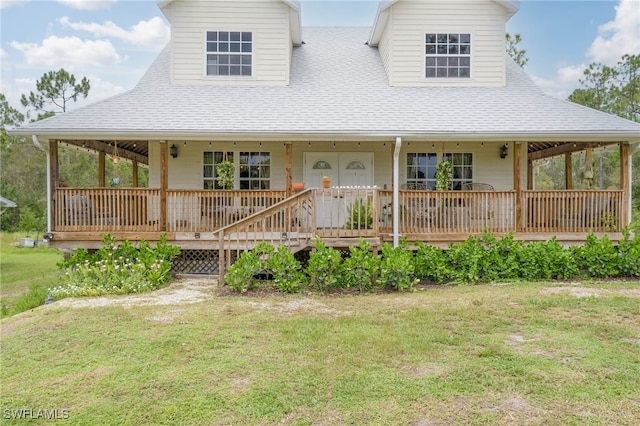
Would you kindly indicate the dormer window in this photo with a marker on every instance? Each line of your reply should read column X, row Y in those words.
column 448, row 55
column 229, row 53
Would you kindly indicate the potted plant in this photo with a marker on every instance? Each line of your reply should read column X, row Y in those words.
column 226, row 172
column 444, row 174
column 326, row 182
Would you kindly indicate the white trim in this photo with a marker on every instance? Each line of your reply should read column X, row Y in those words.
column 396, row 191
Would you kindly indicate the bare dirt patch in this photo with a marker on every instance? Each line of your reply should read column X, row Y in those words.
column 579, row 291
column 180, row 292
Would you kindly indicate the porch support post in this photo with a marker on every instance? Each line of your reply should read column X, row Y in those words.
column 568, row 171
column 134, row 173
column 101, row 171
column 288, row 161
column 164, row 178
column 396, row 192
column 55, row 177
column 517, row 183
column 529, row 175
column 625, row 183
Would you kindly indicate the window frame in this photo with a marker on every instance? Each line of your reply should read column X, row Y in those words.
column 259, row 167
column 447, row 56
column 430, row 182
column 225, row 155
column 462, row 179
column 209, row 43
column 456, row 182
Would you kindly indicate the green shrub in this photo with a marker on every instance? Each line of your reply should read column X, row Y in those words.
column 397, row 268
column 501, row 258
column 286, row 270
column 598, row 258
column 115, row 269
column 323, row 267
column 546, row 260
column 465, row 260
column 629, row 252
column 431, row 263
column 241, row 275
column 360, row 269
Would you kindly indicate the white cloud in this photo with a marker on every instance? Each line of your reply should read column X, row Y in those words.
column 152, row 33
column 618, row 37
column 564, row 82
column 100, row 89
column 88, row 4
column 69, row 52
column 4, row 4
column 3, row 53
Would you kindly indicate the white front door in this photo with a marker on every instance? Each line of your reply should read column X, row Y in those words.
column 344, row 168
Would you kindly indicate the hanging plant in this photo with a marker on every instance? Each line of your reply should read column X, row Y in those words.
column 444, row 175
column 226, row 172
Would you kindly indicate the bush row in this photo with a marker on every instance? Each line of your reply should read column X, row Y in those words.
column 478, row 259
column 115, row 269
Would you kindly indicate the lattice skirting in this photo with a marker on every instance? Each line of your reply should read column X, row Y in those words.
column 196, row 262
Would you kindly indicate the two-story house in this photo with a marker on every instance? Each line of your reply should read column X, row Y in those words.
column 374, row 110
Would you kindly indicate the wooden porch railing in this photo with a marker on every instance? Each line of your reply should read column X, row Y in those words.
column 106, row 209
column 336, row 212
column 207, row 210
column 296, row 221
column 572, row 211
column 424, row 212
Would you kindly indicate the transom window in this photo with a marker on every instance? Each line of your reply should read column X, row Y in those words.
column 210, row 161
column 421, row 169
column 255, row 170
column 448, row 55
column 462, row 168
column 229, row 53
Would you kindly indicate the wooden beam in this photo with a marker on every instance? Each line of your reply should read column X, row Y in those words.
column 529, row 175
column 517, row 183
column 134, row 174
column 109, row 149
column 101, row 169
column 563, row 148
column 568, row 171
column 164, row 181
column 288, row 161
column 625, row 183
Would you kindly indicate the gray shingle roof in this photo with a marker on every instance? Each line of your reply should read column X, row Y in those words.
column 339, row 88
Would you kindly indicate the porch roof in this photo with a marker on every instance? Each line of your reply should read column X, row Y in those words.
column 338, row 90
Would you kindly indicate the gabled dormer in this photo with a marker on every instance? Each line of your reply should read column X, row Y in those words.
column 443, row 42
column 232, row 42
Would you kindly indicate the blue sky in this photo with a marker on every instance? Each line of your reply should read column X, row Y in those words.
column 112, row 42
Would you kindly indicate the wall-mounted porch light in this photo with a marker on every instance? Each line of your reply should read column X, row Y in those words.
column 173, row 151
column 504, row 150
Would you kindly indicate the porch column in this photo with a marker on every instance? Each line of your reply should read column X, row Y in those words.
column 625, row 183
column 101, row 167
column 396, row 191
column 288, row 161
column 517, row 183
column 568, row 171
column 164, row 179
column 55, row 177
column 134, row 173
column 529, row 175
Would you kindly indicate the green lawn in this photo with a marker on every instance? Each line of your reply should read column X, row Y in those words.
column 489, row 354
column 24, row 268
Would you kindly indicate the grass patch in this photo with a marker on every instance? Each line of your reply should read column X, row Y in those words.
column 490, row 354
column 25, row 274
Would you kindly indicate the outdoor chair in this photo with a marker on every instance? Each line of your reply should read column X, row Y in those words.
column 481, row 207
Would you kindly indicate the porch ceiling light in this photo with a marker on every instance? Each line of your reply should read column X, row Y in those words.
column 173, row 151
column 504, row 150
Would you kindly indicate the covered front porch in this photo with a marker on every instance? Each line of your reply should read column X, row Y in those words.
column 216, row 219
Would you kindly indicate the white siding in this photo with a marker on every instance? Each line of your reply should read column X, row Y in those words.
column 410, row 20
column 267, row 19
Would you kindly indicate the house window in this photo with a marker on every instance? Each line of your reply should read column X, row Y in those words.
column 210, row 161
column 421, row 169
column 229, row 53
column 448, row 55
column 462, row 168
column 255, row 170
